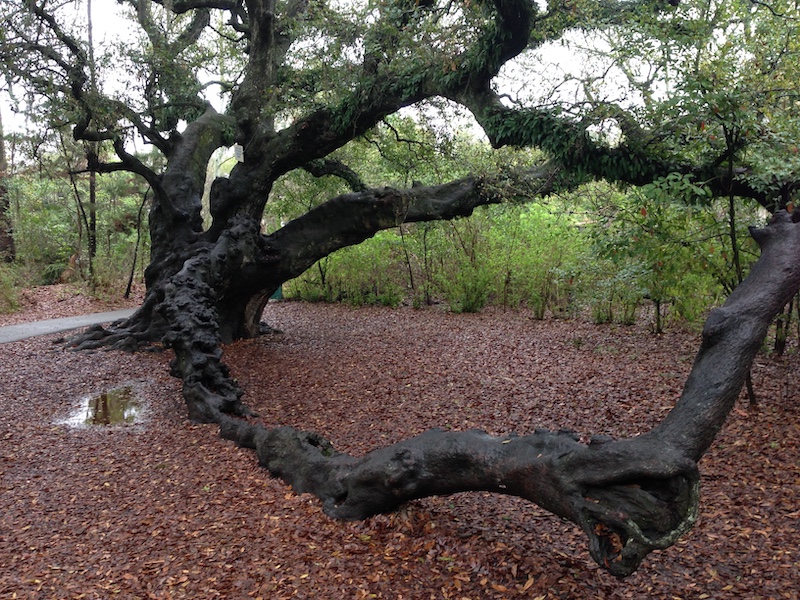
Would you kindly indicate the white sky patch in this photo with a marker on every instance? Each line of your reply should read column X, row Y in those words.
column 572, row 73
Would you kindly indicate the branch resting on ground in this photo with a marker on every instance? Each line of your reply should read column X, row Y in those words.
column 629, row 496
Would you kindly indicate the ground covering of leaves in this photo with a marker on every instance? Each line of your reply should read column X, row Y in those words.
column 166, row 509
column 66, row 300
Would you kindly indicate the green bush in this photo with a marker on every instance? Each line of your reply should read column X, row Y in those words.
column 45, row 232
column 8, row 291
column 538, row 250
column 50, row 233
column 467, row 289
column 605, row 251
column 366, row 274
column 509, row 255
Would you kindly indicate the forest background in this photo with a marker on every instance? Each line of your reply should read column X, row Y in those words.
column 666, row 251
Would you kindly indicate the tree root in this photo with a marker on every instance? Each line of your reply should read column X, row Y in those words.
column 142, row 330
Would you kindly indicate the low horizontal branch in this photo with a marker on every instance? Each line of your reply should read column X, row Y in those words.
column 351, row 218
column 629, row 498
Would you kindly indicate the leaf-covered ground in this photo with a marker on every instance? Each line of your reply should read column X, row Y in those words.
column 166, row 509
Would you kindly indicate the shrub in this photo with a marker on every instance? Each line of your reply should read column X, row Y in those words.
column 366, row 274
column 8, row 292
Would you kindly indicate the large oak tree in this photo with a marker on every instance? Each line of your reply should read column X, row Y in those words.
column 303, row 78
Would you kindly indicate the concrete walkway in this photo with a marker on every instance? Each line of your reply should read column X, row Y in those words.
column 12, row 333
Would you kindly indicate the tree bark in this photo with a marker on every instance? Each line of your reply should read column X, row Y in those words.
column 732, row 336
column 203, row 293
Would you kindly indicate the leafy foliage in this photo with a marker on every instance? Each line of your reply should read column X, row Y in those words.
column 614, row 252
column 370, row 273
column 8, row 292
column 49, row 230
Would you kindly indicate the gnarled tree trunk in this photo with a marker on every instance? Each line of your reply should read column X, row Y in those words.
column 207, row 288
column 629, row 496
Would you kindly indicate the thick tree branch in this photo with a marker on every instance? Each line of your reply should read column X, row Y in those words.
column 351, row 218
column 326, row 166
column 194, row 334
column 191, row 34
column 732, row 337
column 182, row 6
column 629, row 497
column 632, row 160
column 186, row 174
column 178, row 191
column 376, row 96
column 128, row 162
column 327, row 129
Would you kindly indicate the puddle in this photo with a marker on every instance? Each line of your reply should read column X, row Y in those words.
column 117, row 406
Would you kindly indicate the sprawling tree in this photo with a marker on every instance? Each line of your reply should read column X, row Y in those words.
column 300, row 79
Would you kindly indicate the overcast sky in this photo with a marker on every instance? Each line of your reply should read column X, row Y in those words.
column 522, row 78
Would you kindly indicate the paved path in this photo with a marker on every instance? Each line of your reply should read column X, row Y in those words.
column 12, row 333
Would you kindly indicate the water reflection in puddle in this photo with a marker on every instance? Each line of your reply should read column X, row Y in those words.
column 117, row 406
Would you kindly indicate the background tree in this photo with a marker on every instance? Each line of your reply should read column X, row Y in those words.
column 50, row 217
column 6, row 237
column 301, row 80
